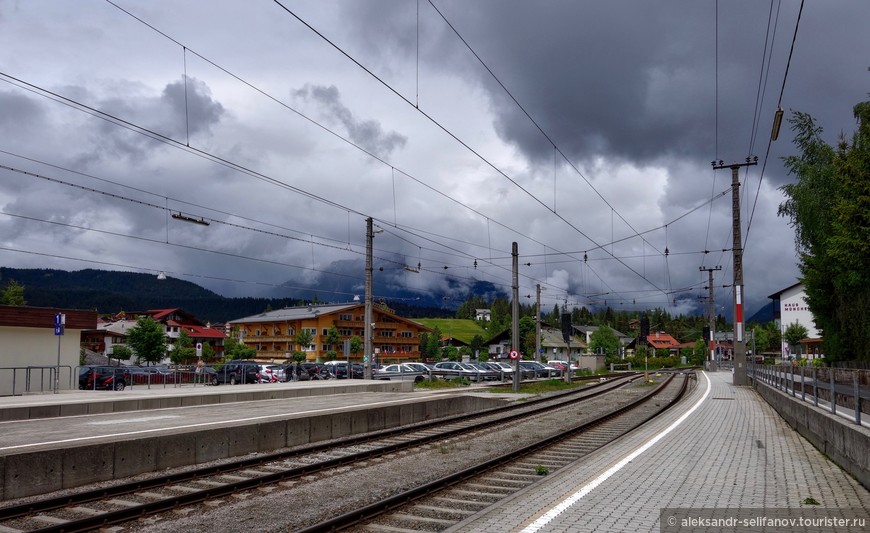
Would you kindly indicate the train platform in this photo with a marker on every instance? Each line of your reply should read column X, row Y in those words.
column 51, row 442
column 160, row 396
column 723, row 460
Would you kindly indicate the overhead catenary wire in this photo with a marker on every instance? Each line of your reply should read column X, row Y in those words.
column 395, row 222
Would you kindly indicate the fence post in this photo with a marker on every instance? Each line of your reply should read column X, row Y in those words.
column 803, row 386
column 833, row 394
column 793, row 386
column 857, row 396
column 815, row 387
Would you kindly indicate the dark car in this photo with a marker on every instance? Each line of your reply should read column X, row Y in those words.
column 339, row 370
column 235, row 372
column 149, row 375
column 102, row 378
column 315, row 371
column 541, row 370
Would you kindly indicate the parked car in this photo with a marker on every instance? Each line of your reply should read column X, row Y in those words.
column 315, row 371
column 564, row 364
column 401, row 372
column 425, row 368
column 207, row 376
column 149, row 375
column 339, row 369
column 280, row 371
column 235, row 372
column 525, row 373
column 504, row 373
column 541, row 370
column 559, row 365
column 452, row 369
column 266, row 374
column 484, row 373
column 102, row 378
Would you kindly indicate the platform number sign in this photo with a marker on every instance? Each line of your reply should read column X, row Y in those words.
column 59, row 322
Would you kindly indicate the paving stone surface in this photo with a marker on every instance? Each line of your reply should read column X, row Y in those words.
column 733, row 451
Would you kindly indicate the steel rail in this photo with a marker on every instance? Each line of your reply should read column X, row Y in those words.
column 123, row 515
column 368, row 512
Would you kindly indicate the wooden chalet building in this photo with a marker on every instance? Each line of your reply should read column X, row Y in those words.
column 273, row 333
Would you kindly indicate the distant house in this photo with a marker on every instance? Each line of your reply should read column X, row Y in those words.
column 662, row 341
column 483, row 314
column 273, row 333
column 790, row 306
column 554, row 346
column 500, row 345
column 112, row 331
column 587, row 331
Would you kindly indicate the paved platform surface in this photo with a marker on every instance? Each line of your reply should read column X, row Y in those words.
column 242, row 407
column 731, row 450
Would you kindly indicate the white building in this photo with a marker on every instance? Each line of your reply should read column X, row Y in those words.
column 35, row 354
column 790, row 306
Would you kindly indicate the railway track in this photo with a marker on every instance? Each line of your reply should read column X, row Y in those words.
column 88, row 510
column 443, row 503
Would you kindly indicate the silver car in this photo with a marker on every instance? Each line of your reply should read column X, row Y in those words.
column 400, row 372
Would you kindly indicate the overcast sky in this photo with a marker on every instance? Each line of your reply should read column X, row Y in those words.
column 576, row 129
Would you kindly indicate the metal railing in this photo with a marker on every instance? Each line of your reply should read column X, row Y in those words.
column 840, row 390
column 18, row 380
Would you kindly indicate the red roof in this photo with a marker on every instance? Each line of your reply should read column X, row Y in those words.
column 662, row 340
column 202, row 332
column 157, row 314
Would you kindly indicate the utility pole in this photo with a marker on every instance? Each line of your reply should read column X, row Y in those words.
column 515, row 313
column 711, row 316
column 538, row 325
column 739, row 340
column 368, row 316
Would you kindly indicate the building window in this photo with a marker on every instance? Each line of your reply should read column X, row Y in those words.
column 407, row 334
column 347, row 316
column 324, row 332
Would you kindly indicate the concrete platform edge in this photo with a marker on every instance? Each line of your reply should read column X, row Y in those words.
column 44, row 471
column 846, row 444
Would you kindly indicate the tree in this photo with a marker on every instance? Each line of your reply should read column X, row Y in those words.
column 207, row 351
column 794, row 333
column 356, row 345
column 147, row 340
column 767, row 337
column 235, row 350
column 13, row 294
column 333, row 339
column 604, row 339
column 829, row 208
column 122, row 353
column 303, row 338
column 451, row 353
column 699, row 353
column 184, row 352
column 430, row 345
column 478, row 346
column 528, row 336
